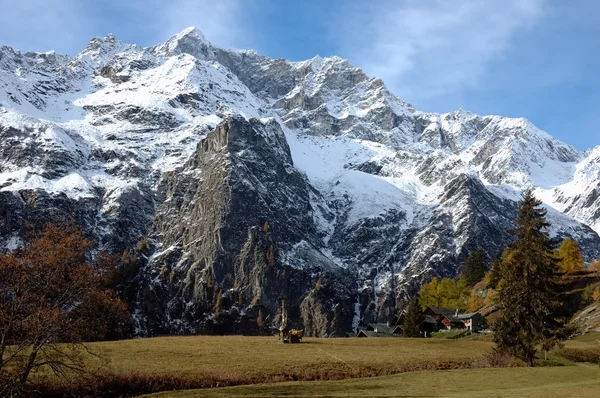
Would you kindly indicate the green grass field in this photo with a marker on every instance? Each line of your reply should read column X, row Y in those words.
column 559, row 382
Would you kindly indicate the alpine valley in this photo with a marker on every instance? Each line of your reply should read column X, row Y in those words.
column 228, row 181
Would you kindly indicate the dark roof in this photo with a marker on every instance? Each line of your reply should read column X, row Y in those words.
column 397, row 319
column 429, row 319
column 380, row 330
column 366, row 333
column 383, row 328
column 461, row 318
column 443, row 310
column 466, row 316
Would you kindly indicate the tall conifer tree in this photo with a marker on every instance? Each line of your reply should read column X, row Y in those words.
column 475, row 267
column 528, row 299
column 413, row 318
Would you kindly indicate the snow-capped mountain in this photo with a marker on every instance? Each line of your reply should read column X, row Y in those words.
column 253, row 179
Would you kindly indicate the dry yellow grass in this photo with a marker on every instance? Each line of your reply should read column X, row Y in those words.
column 261, row 357
column 181, row 363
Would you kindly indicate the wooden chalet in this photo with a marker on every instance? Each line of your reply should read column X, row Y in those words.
column 452, row 319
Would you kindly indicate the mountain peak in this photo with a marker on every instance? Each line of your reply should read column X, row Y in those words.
column 99, row 42
column 100, row 49
column 190, row 40
column 191, row 32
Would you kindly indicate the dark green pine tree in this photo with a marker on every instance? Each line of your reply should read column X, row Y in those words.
column 495, row 272
column 475, row 267
column 413, row 319
column 528, row 299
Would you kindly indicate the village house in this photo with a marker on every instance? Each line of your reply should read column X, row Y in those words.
column 452, row 319
column 428, row 326
column 380, row 330
column 434, row 320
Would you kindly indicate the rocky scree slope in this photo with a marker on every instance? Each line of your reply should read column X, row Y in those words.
column 230, row 181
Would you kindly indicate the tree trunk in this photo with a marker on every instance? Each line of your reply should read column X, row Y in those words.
column 30, row 362
column 531, row 361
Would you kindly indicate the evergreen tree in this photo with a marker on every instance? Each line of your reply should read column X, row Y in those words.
column 413, row 318
column 475, row 267
column 527, row 299
column 570, row 257
column 496, row 272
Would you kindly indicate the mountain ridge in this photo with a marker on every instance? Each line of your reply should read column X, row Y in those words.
column 388, row 196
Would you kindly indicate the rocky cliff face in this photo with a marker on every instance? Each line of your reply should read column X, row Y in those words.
column 237, row 222
column 231, row 181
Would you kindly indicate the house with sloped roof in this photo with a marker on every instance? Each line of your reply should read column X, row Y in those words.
column 453, row 319
column 473, row 321
column 428, row 326
column 380, row 330
column 438, row 312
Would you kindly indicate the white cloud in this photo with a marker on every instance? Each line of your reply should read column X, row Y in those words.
column 427, row 48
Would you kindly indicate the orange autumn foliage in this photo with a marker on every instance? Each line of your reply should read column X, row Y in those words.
column 50, row 293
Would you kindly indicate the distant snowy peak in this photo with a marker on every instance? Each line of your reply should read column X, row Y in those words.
column 188, row 41
column 10, row 57
column 593, row 155
column 99, row 51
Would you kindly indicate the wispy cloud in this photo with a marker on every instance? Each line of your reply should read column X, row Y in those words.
column 427, row 48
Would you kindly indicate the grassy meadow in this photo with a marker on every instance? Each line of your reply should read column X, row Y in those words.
column 555, row 382
column 362, row 367
column 262, row 359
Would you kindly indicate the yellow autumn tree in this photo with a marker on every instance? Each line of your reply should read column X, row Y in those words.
column 259, row 319
column 446, row 292
column 570, row 257
column 596, row 294
column 492, row 295
column 475, row 302
column 595, row 266
column 218, row 304
column 429, row 293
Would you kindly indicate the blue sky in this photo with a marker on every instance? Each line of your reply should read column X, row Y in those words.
column 538, row 59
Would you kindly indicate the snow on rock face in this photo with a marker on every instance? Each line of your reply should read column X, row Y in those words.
column 579, row 197
column 188, row 41
column 198, row 146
